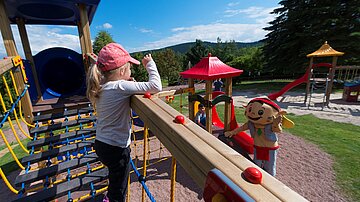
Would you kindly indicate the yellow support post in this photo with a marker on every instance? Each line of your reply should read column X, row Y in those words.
column 173, row 179
column 146, row 134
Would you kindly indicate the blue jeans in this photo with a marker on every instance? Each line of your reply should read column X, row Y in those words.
column 203, row 121
column 270, row 165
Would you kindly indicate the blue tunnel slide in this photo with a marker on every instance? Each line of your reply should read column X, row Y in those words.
column 60, row 72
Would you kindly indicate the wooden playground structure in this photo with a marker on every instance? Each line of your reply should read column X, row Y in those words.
column 322, row 81
column 61, row 130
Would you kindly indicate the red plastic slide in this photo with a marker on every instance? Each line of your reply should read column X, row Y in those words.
column 289, row 86
column 242, row 139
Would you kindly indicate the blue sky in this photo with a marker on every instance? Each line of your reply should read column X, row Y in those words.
column 143, row 25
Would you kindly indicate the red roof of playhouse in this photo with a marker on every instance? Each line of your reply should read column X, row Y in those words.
column 211, row 68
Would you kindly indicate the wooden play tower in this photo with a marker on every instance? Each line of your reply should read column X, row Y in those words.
column 209, row 69
column 69, row 13
column 324, row 51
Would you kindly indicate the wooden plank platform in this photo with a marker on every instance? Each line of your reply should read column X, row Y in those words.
column 63, row 188
column 57, row 105
column 57, row 126
column 55, row 169
column 57, row 152
column 57, row 138
column 68, row 113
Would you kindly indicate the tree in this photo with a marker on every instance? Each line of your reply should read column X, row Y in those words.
column 169, row 65
column 102, row 39
column 302, row 26
column 225, row 51
column 197, row 52
column 138, row 71
column 250, row 60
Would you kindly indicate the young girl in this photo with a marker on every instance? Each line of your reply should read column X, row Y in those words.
column 109, row 87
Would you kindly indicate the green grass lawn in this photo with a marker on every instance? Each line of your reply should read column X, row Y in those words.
column 7, row 162
column 340, row 140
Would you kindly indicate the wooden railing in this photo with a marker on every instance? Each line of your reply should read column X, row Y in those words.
column 198, row 151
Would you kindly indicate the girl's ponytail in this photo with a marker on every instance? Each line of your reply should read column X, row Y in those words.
column 93, row 80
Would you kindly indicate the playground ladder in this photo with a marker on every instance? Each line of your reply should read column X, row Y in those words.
column 318, row 85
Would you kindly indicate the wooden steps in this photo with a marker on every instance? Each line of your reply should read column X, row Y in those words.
column 63, row 188
column 62, row 137
column 57, row 126
column 55, row 169
column 67, row 113
column 57, row 152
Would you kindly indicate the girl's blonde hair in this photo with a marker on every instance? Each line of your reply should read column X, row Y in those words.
column 94, row 78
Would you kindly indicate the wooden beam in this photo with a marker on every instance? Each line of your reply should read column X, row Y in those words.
column 81, row 39
column 85, row 28
column 199, row 151
column 307, row 91
column 191, row 104
column 28, row 55
column 6, row 33
column 331, row 77
column 227, row 111
column 208, row 109
column 5, row 65
column 84, row 34
column 10, row 48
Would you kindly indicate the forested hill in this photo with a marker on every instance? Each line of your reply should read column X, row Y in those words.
column 184, row 47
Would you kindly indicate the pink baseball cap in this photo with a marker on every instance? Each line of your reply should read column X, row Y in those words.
column 113, row 56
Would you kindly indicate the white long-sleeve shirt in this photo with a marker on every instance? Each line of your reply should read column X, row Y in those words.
column 113, row 124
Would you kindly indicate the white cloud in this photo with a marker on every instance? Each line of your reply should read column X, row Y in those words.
column 241, row 32
column 260, row 14
column 107, row 25
column 232, row 4
column 43, row 37
column 210, row 32
column 104, row 26
column 143, row 30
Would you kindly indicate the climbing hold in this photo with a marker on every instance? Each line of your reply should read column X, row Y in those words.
column 147, row 95
column 180, row 119
column 253, row 175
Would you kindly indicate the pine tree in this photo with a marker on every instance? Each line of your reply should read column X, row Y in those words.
column 198, row 51
column 102, row 39
column 302, row 26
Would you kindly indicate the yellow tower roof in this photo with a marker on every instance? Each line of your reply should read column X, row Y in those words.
column 325, row 51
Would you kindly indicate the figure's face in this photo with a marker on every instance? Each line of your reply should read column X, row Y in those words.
column 260, row 113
